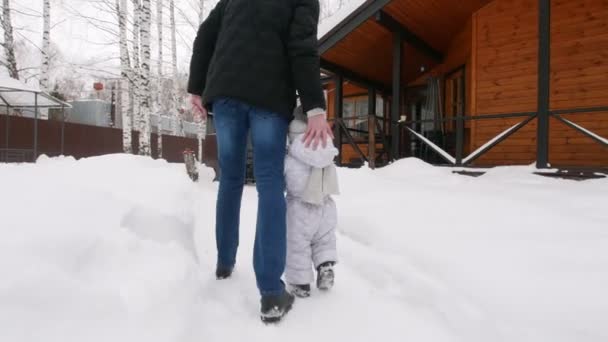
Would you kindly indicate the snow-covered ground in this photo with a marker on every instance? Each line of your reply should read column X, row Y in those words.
column 121, row 248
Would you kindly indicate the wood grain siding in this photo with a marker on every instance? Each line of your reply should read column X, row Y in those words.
column 367, row 49
column 458, row 54
column 505, row 62
column 368, row 42
column 505, row 40
column 498, row 43
column 435, row 21
column 579, row 79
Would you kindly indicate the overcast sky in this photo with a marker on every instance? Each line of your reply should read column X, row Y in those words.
column 79, row 31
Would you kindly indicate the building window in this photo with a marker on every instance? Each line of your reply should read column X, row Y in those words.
column 356, row 114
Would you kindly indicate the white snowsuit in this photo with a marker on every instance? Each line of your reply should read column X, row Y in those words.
column 311, row 238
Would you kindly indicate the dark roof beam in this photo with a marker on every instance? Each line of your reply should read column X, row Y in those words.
column 408, row 36
column 353, row 77
column 357, row 18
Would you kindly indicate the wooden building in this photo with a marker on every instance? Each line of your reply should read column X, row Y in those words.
column 470, row 82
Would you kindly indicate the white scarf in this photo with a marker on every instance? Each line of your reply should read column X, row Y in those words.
column 321, row 183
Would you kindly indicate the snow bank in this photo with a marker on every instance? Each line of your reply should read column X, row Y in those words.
column 96, row 250
column 121, row 248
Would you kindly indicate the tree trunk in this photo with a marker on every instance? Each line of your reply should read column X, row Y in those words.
column 159, row 90
column 145, row 96
column 125, row 96
column 9, row 40
column 201, row 127
column 174, row 96
column 136, row 69
column 46, row 45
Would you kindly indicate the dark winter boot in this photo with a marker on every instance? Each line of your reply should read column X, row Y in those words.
column 223, row 272
column 325, row 276
column 300, row 291
column 274, row 308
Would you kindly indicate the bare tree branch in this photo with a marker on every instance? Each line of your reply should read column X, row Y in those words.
column 29, row 41
column 25, row 14
column 58, row 23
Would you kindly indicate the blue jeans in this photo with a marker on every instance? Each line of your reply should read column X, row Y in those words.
column 233, row 121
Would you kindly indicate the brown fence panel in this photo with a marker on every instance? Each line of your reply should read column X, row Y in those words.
column 87, row 141
column 81, row 141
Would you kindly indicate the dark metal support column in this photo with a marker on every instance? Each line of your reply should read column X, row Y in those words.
column 371, row 128
column 339, row 111
column 544, row 69
column 460, row 124
column 396, row 96
column 35, row 127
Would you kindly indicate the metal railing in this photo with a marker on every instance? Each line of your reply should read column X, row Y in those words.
column 458, row 159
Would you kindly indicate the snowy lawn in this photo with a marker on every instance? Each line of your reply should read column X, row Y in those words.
column 121, row 248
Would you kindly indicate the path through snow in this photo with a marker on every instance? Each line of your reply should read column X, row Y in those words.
column 121, row 248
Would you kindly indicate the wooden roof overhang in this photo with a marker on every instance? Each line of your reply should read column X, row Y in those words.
column 360, row 48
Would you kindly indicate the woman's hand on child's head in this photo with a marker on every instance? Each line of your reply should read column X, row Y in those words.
column 318, row 130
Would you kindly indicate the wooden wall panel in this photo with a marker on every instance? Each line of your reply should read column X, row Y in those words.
column 504, row 77
column 505, row 62
column 506, row 57
column 579, row 79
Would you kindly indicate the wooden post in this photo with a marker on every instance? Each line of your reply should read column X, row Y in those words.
column 371, row 128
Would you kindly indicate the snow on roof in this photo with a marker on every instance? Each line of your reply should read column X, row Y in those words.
column 89, row 100
column 329, row 23
column 15, row 93
column 7, row 83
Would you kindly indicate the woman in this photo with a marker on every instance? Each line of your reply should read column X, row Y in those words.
column 250, row 58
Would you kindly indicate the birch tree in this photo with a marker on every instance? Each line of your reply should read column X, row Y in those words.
column 159, row 66
column 9, row 40
column 125, row 95
column 145, row 96
column 174, row 74
column 136, row 66
column 46, row 45
column 202, row 126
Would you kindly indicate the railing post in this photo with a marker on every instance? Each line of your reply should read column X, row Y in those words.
column 544, row 69
column 371, row 128
column 459, row 139
column 460, row 112
column 396, row 96
column 339, row 111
